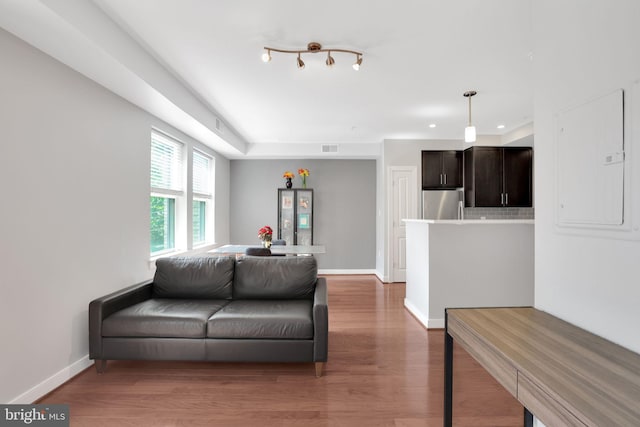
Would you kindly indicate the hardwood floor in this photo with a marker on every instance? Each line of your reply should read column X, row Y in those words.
column 384, row 369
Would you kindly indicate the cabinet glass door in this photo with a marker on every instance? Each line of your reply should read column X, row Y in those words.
column 304, row 207
column 286, row 220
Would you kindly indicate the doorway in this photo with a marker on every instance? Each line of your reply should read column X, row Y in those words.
column 402, row 204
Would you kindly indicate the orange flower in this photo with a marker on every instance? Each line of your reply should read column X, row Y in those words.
column 303, row 172
column 288, row 174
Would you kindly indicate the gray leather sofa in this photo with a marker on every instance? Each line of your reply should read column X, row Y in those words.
column 253, row 309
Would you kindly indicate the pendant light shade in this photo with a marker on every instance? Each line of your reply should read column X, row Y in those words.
column 470, row 134
column 470, row 130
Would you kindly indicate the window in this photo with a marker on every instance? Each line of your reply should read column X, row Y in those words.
column 163, row 224
column 181, row 211
column 202, row 197
column 166, row 188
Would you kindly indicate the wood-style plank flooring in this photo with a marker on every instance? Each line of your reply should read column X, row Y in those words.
column 384, row 369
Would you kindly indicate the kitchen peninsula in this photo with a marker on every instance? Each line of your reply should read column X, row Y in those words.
column 468, row 263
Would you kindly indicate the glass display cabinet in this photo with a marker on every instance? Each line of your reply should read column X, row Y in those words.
column 295, row 216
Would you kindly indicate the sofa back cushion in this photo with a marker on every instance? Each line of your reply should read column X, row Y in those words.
column 275, row 277
column 194, row 277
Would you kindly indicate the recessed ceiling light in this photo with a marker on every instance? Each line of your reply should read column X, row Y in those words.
column 432, row 125
column 500, row 126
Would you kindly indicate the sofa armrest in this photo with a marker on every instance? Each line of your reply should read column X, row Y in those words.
column 103, row 307
column 320, row 321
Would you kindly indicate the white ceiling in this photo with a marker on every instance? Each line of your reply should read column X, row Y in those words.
column 419, row 58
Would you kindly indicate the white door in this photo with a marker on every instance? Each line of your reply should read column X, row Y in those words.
column 403, row 199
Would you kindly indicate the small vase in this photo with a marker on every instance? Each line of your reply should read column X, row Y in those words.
column 304, row 181
column 266, row 243
column 289, row 184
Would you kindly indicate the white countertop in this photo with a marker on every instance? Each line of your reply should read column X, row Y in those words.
column 472, row 221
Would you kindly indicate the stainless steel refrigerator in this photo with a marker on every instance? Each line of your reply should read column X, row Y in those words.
column 443, row 204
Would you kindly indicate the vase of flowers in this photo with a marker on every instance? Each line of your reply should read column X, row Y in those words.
column 288, row 176
column 265, row 234
column 304, row 173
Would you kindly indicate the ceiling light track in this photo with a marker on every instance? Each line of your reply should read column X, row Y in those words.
column 313, row 47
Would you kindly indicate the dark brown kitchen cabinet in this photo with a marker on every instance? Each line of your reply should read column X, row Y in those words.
column 441, row 169
column 496, row 176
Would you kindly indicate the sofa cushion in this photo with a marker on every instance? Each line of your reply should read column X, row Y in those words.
column 275, row 277
column 274, row 319
column 167, row 318
column 194, row 277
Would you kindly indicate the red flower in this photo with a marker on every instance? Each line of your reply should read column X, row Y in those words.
column 265, row 233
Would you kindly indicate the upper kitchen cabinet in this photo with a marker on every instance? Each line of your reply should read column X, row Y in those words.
column 441, row 169
column 497, row 177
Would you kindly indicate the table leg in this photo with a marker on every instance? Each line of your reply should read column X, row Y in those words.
column 448, row 375
column 528, row 418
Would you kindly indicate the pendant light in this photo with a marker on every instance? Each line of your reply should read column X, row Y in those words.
column 470, row 130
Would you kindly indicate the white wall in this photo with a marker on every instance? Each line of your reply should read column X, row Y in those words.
column 582, row 51
column 74, row 223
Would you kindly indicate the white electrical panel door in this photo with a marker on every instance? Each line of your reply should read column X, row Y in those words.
column 590, row 142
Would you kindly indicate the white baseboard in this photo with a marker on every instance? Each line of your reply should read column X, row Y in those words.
column 420, row 317
column 346, row 271
column 416, row 313
column 54, row 381
column 381, row 277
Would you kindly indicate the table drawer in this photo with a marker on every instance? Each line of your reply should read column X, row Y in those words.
column 543, row 406
column 505, row 373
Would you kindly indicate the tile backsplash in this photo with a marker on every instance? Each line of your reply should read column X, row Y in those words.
column 499, row 213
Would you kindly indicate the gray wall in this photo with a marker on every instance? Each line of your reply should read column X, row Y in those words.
column 345, row 206
column 74, row 167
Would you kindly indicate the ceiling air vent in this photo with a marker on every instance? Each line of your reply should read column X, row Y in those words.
column 219, row 125
column 329, row 148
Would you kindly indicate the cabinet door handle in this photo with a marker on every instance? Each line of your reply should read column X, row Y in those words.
column 502, row 198
column 445, row 179
column 440, row 179
column 506, row 198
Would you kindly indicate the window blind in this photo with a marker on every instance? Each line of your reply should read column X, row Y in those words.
column 166, row 163
column 201, row 174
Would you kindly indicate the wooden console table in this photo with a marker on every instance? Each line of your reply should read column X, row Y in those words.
column 562, row 374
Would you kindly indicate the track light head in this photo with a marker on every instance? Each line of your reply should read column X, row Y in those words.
column 356, row 65
column 300, row 62
column 330, row 60
column 266, row 56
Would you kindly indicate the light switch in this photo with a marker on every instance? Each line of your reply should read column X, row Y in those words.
column 614, row 158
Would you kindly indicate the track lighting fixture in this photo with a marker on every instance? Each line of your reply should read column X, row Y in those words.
column 470, row 130
column 313, row 47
